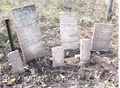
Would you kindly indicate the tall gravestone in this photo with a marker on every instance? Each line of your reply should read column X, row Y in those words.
column 69, row 30
column 102, row 36
column 28, row 32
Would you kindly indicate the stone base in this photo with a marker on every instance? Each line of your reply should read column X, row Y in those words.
column 58, row 64
column 82, row 63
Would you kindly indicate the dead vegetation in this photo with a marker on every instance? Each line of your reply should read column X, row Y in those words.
column 101, row 72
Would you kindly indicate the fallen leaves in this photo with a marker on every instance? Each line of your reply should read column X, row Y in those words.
column 11, row 81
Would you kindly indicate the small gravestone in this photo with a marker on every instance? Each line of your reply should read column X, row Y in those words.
column 28, row 32
column 58, row 56
column 69, row 30
column 16, row 62
column 85, row 46
column 102, row 36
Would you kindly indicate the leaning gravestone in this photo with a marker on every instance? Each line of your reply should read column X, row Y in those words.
column 102, row 36
column 69, row 30
column 28, row 32
column 58, row 56
column 16, row 62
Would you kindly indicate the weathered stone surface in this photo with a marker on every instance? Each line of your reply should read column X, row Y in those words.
column 28, row 32
column 102, row 36
column 58, row 56
column 69, row 30
column 16, row 62
column 85, row 46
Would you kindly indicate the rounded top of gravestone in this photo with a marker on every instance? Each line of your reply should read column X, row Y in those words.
column 23, row 7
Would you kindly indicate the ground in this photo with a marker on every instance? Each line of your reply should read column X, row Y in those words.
column 101, row 72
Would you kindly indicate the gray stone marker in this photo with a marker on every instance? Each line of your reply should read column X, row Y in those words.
column 58, row 56
column 28, row 32
column 102, row 36
column 69, row 30
column 16, row 62
column 85, row 46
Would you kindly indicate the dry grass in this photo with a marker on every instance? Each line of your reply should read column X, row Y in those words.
column 89, row 12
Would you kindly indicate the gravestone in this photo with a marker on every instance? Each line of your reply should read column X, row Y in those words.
column 102, row 36
column 16, row 62
column 85, row 46
column 28, row 32
column 58, row 56
column 69, row 30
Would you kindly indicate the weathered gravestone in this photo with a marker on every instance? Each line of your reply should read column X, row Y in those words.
column 58, row 56
column 69, row 30
column 85, row 46
column 28, row 32
column 102, row 36
column 16, row 62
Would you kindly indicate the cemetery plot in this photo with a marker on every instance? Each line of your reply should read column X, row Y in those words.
column 28, row 32
column 102, row 36
column 69, row 30
column 66, row 63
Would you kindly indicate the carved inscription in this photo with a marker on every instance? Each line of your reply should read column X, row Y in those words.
column 28, row 32
column 69, row 30
column 102, row 36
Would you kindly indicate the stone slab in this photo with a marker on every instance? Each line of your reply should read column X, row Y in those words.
column 58, row 56
column 16, row 62
column 28, row 32
column 102, row 36
column 85, row 46
column 69, row 30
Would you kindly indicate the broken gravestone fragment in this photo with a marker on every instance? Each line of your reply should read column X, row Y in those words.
column 69, row 30
column 85, row 46
column 58, row 56
column 102, row 36
column 77, row 58
column 16, row 62
column 28, row 32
